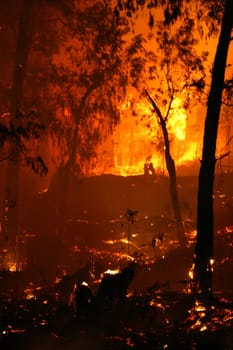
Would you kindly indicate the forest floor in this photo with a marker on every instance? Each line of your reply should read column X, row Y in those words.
column 155, row 317
column 148, row 320
column 159, row 311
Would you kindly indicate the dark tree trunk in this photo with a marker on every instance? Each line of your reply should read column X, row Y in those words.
column 204, row 250
column 69, row 169
column 23, row 45
column 170, row 165
column 66, row 179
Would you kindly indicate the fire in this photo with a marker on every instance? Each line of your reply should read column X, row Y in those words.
column 11, row 262
column 137, row 141
column 12, row 266
column 136, row 145
column 178, row 121
column 111, row 272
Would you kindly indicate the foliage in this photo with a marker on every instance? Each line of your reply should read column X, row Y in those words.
column 207, row 12
column 171, row 9
column 165, row 62
column 130, row 215
column 88, row 80
column 22, row 131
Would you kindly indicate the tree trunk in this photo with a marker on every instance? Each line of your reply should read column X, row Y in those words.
column 204, row 249
column 170, row 165
column 70, row 166
column 66, row 177
column 23, row 44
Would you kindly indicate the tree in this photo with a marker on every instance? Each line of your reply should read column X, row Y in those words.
column 204, row 250
column 23, row 132
column 170, row 164
column 20, row 132
column 170, row 69
column 212, row 13
column 24, row 40
column 90, row 82
column 31, row 20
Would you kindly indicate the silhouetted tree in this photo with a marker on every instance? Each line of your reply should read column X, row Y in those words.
column 204, row 250
column 170, row 165
column 210, row 14
column 167, row 72
column 21, row 132
column 26, row 16
column 25, row 34
column 91, row 82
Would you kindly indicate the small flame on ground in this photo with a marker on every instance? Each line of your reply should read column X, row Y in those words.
column 111, row 272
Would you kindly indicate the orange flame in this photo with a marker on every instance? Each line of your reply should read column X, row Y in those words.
column 137, row 140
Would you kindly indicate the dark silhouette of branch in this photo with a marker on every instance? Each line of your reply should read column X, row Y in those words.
column 223, row 155
column 229, row 141
column 227, row 104
column 156, row 108
column 171, row 93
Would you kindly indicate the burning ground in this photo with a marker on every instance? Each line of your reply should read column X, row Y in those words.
column 158, row 311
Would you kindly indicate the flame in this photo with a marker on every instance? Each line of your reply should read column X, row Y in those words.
column 30, row 296
column 11, row 263
column 178, row 121
column 137, row 141
column 191, row 272
column 12, row 266
column 111, row 272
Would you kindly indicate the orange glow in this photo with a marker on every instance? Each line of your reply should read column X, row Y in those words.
column 137, row 140
column 12, row 262
column 178, row 121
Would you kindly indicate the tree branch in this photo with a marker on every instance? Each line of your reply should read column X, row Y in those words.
column 227, row 104
column 223, row 155
column 154, row 105
column 171, row 93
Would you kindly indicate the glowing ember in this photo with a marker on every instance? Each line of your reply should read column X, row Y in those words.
column 30, row 296
column 203, row 328
column 112, row 272
column 212, row 264
column 122, row 240
column 229, row 229
column 12, row 267
column 10, row 329
column 156, row 304
column 199, row 308
column 191, row 235
column 31, row 291
column 203, row 318
column 84, row 283
column 191, row 272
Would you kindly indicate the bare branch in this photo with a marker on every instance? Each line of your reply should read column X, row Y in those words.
column 228, row 84
column 229, row 141
column 227, row 104
column 171, row 93
column 223, row 155
column 154, row 105
column 169, row 107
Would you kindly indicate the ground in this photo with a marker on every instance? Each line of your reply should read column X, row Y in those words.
column 158, row 312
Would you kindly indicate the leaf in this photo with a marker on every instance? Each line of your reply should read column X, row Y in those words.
column 37, row 164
